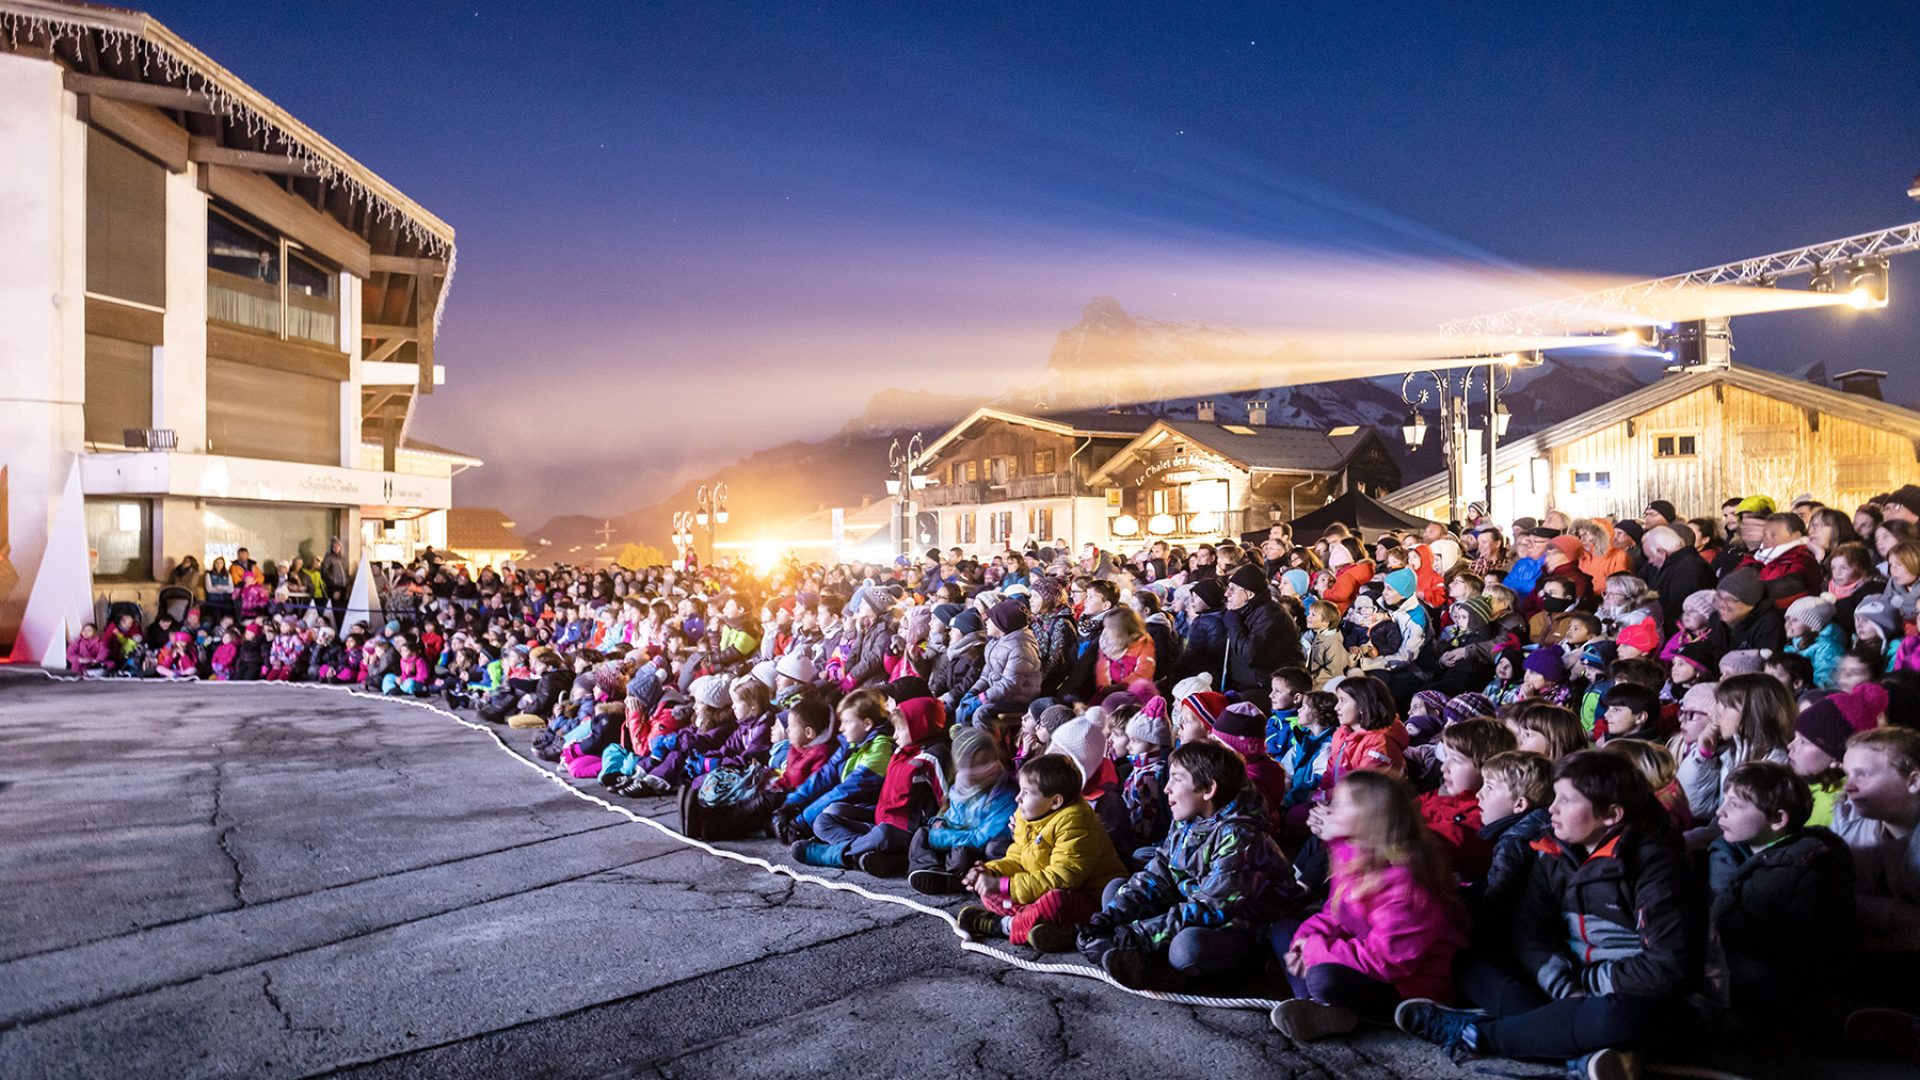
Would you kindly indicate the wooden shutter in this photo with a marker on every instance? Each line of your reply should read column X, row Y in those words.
column 126, row 223
column 259, row 412
column 119, row 388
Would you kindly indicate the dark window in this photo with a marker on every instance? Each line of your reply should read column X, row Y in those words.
column 1044, row 462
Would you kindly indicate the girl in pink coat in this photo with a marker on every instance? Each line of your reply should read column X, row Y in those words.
column 1392, row 923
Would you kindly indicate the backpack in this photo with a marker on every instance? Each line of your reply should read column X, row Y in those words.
column 733, row 786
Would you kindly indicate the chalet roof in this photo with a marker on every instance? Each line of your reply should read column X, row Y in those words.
column 1254, row 448
column 412, row 445
column 1080, row 423
column 1515, row 453
column 481, row 529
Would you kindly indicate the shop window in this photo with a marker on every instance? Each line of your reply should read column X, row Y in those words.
column 120, row 533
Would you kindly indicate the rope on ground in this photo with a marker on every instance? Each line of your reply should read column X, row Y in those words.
column 1083, row 971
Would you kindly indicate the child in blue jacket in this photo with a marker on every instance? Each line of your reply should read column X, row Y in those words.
column 1310, row 745
column 852, row 775
column 977, row 824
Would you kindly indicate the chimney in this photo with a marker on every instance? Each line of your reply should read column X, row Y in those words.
column 1862, row 381
column 1204, row 411
column 1256, row 413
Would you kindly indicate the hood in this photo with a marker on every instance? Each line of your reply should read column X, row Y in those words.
column 924, row 716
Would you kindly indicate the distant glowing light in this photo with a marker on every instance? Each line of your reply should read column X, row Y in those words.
column 765, row 557
column 1160, row 524
column 1126, row 525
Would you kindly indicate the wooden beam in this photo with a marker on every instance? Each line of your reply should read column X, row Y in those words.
column 260, row 350
column 381, row 399
column 139, row 126
column 164, row 97
column 287, row 213
column 388, row 332
column 385, row 350
column 429, row 298
column 406, row 264
column 208, row 149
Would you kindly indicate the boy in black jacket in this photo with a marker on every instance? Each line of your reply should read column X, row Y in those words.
column 1612, row 932
column 1782, row 892
column 1514, row 790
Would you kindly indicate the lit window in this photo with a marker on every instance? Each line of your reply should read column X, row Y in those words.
column 1589, row 483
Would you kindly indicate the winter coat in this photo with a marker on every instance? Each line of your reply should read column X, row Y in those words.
column 1789, row 573
column 1058, row 641
column 802, row 762
column 1789, row 905
column 1166, row 644
column 1306, row 757
column 852, row 775
column 1206, row 646
column 1346, row 584
column 1398, row 933
column 915, row 783
column 1383, row 750
column 1010, row 671
column 1067, row 849
column 1886, row 870
column 867, row 661
column 1628, row 918
column 1136, row 663
column 87, row 652
column 1261, row 638
column 1763, row 628
column 748, row 744
column 1495, row 895
column 1682, row 574
column 1824, row 653
column 1326, row 655
column 547, row 692
column 978, row 820
column 1221, row 872
column 1455, row 820
column 958, row 668
column 1145, row 793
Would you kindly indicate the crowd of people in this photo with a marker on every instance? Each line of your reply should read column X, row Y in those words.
column 1560, row 789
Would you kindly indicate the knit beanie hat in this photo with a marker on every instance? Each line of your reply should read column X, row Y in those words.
column 1548, row 663
column 967, row 622
column 1242, row 728
column 1149, row 729
column 711, row 691
column 1643, row 635
column 1599, row 654
column 1207, row 705
column 1081, row 741
column 1831, row 721
column 1699, row 604
column 1467, row 706
column 1054, row 716
column 1634, row 530
column 906, row 688
column 1664, row 509
column 944, row 613
column 1568, row 546
column 1192, row 684
column 1744, row 585
column 1743, row 662
column 1433, row 702
column 1755, row 504
column 1120, row 699
column 879, row 601
column 1812, row 612
column 1008, row 615
column 1211, row 593
column 1700, row 697
column 795, row 665
column 764, row 671
column 1878, row 612
column 1251, row 578
column 1298, row 581
column 1473, row 614
column 1047, row 588
column 1699, row 655
column 1404, row 582
column 1338, row 555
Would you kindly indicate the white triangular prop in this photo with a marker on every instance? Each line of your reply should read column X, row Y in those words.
column 62, row 597
column 363, row 600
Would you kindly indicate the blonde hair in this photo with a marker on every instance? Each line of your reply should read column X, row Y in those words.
column 751, row 693
column 1119, row 629
column 1653, row 760
column 1391, row 834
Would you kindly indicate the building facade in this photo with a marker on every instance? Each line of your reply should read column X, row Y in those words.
column 1697, row 438
column 1000, row 479
column 223, row 319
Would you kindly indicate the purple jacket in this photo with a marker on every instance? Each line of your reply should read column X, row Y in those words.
column 750, row 743
column 1399, row 933
column 87, row 652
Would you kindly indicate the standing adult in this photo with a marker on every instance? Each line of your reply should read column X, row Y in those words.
column 337, row 579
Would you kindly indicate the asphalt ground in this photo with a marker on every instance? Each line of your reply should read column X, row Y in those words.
column 266, row 881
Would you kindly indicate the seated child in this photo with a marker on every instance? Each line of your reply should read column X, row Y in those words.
column 1793, row 671
column 977, row 823
column 1820, row 734
column 675, row 757
column 1548, row 730
column 1545, row 678
column 1392, row 923
column 1452, row 813
column 1509, row 677
column 1050, row 879
column 1242, row 729
column 852, row 775
column 1311, row 746
column 178, row 659
column 1782, row 892
column 1691, row 666
column 411, row 674
column 709, row 813
column 1627, row 711
column 1290, row 686
column 1514, row 789
column 88, row 654
column 1656, row 763
column 1879, row 818
column 1612, row 934
column 226, row 655
column 1144, row 792
column 1324, row 645
column 1812, row 633
column 1210, row 886
column 874, row 837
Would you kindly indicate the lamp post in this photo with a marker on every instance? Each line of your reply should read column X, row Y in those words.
column 710, row 511
column 902, row 462
column 1452, row 390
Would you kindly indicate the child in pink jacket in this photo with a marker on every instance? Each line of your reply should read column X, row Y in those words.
column 1391, row 926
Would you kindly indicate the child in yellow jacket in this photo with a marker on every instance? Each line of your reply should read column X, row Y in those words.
column 1049, row 881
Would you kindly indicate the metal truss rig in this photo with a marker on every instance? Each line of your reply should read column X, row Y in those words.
column 1583, row 313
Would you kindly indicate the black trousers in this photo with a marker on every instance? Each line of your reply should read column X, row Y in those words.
column 1528, row 1024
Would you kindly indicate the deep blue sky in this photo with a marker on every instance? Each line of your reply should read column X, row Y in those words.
column 875, row 194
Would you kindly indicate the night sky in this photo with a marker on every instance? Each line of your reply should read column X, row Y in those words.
column 687, row 233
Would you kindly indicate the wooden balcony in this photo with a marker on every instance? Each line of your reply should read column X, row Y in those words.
column 1052, row 485
column 952, row 495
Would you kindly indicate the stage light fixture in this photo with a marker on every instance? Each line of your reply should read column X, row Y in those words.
column 1867, row 283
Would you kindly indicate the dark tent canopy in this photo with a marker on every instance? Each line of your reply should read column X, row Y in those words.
column 1357, row 511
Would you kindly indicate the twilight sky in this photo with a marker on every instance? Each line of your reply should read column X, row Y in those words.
column 688, row 232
